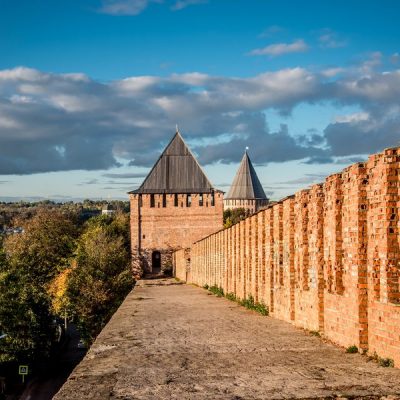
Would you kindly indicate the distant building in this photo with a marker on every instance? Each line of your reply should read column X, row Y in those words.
column 107, row 209
column 246, row 190
column 175, row 206
column 11, row 231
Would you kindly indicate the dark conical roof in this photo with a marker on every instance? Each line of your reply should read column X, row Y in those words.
column 246, row 184
column 176, row 171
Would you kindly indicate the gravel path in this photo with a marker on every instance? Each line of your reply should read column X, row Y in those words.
column 175, row 341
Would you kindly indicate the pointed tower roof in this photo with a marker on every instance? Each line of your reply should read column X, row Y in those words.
column 176, row 171
column 246, row 184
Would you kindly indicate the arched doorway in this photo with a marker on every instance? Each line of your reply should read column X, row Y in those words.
column 156, row 262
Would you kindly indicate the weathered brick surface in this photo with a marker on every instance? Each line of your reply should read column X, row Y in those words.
column 383, row 254
column 308, row 257
column 269, row 267
column 284, row 252
column 166, row 229
column 326, row 259
column 312, row 314
column 181, row 260
column 277, row 248
column 260, row 254
column 334, row 301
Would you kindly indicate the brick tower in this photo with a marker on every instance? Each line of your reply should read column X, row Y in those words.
column 246, row 190
column 175, row 206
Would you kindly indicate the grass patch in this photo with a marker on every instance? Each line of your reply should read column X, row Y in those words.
column 386, row 362
column 249, row 303
column 383, row 362
column 252, row 305
column 219, row 292
column 205, row 286
column 352, row 349
column 231, row 296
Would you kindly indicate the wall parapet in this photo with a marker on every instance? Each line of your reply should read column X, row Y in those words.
column 326, row 259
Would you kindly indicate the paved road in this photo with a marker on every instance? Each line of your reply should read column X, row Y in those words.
column 174, row 341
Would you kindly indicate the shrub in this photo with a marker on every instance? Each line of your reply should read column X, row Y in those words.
column 252, row 305
column 386, row 362
column 352, row 349
column 231, row 296
column 219, row 292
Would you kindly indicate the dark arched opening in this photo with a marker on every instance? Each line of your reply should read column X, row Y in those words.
column 156, row 262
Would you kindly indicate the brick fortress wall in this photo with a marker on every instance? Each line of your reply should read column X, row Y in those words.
column 175, row 226
column 326, row 259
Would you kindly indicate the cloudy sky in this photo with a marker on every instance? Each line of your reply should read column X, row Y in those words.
column 91, row 90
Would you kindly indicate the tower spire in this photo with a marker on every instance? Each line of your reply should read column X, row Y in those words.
column 246, row 190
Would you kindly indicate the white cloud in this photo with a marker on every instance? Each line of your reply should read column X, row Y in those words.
column 181, row 4
column 277, row 49
column 331, row 72
column 6, row 122
column 136, row 84
column 383, row 87
column 124, row 7
column 329, row 40
column 136, row 7
column 395, row 58
column 16, row 98
column 22, row 74
column 351, row 118
column 99, row 124
column 368, row 66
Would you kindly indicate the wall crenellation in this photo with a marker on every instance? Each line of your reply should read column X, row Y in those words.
column 326, row 259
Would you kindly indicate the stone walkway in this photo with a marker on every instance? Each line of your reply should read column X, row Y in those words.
column 175, row 341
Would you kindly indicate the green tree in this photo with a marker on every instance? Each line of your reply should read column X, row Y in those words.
column 60, row 301
column 45, row 248
column 28, row 263
column 102, row 276
column 24, row 318
column 233, row 216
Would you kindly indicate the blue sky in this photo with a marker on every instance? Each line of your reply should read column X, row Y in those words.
column 90, row 91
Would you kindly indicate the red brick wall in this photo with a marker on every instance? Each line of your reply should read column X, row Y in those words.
column 169, row 228
column 312, row 313
column 383, row 254
column 284, row 253
column 269, row 266
column 345, row 294
column 326, row 259
column 181, row 260
column 307, row 257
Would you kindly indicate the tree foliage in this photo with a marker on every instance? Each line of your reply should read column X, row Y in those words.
column 57, row 268
column 233, row 216
column 24, row 318
column 45, row 248
column 102, row 276
column 60, row 301
column 28, row 263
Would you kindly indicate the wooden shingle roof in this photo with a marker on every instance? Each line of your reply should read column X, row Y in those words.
column 176, row 171
column 246, row 184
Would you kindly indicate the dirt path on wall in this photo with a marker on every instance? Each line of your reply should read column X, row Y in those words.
column 174, row 341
